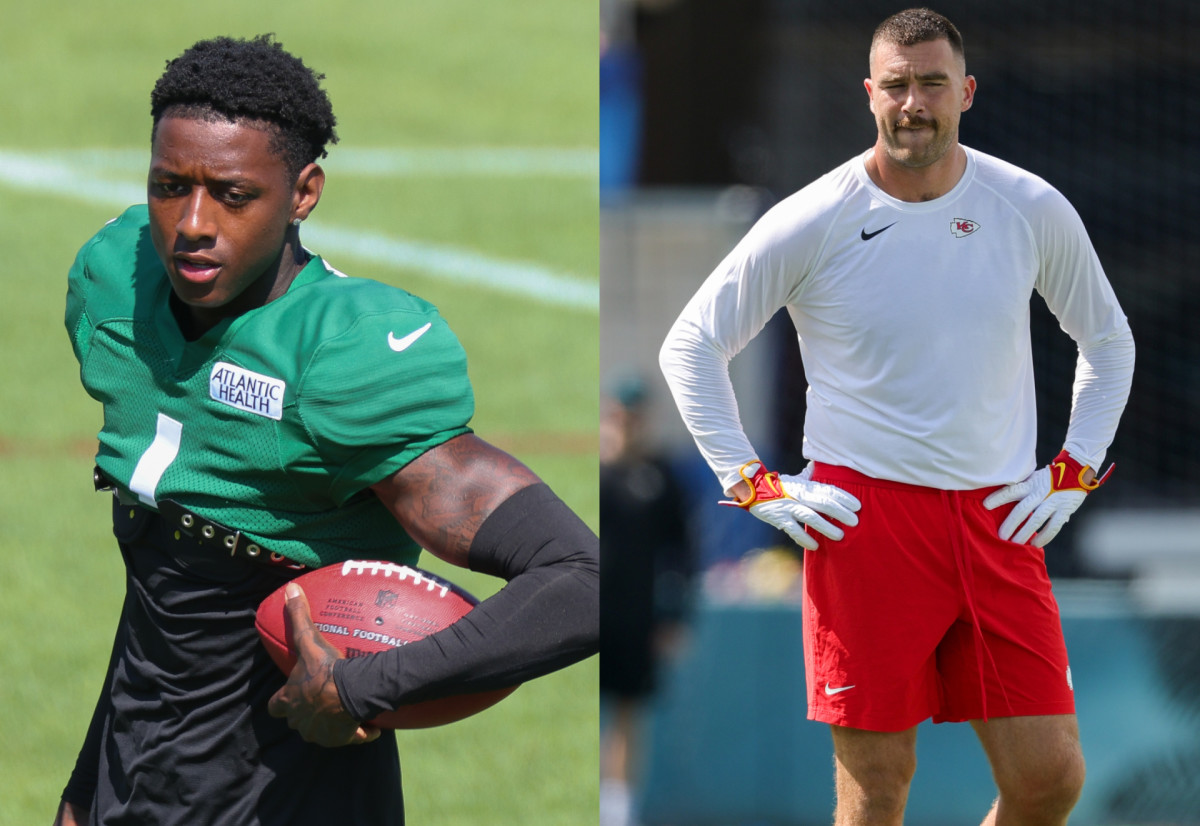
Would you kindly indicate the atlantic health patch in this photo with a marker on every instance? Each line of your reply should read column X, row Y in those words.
column 246, row 390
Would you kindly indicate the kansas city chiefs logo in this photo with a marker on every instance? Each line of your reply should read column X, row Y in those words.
column 962, row 227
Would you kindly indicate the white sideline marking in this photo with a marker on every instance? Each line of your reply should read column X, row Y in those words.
column 474, row 162
column 56, row 174
column 468, row 162
column 458, row 265
column 44, row 174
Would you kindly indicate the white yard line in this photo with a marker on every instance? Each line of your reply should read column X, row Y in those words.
column 101, row 177
column 458, row 265
column 394, row 162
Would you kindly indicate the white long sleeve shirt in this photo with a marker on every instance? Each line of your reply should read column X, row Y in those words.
column 913, row 324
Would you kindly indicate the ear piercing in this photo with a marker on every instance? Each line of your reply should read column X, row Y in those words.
column 297, row 221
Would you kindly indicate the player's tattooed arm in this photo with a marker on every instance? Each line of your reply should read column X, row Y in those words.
column 443, row 496
column 478, row 507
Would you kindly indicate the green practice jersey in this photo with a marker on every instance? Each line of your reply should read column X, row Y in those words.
column 274, row 422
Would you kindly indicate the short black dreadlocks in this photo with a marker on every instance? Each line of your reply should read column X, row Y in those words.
column 253, row 80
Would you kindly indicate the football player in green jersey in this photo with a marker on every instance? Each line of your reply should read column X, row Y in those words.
column 300, row 418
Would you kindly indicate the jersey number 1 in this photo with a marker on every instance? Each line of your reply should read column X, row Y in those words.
column 156, row 459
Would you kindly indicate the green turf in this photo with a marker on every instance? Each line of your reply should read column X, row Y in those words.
column 452, row 74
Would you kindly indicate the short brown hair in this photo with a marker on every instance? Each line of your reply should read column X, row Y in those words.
column 913, row 26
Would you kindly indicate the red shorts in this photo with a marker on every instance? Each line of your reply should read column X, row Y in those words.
column 923, row 611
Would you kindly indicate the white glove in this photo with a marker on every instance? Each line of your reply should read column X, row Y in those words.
column 1045, row 500
column 791, row 502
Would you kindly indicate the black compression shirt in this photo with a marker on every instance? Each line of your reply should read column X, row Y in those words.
column 181, row 734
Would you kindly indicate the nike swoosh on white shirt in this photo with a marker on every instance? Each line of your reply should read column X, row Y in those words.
column 831, row 691
column 400, row 344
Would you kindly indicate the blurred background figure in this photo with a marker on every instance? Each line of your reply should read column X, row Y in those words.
column 620, row 96
column 621, row 92
column 646, row 566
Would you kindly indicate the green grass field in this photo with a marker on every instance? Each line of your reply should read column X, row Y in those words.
column 468, row 134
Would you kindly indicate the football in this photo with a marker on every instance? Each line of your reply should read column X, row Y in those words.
column 365, row 607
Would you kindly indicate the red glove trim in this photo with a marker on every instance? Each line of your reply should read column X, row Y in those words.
column 1067, row 474
column 764, row 486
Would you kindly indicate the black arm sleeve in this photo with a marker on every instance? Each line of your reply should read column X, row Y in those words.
column 545, row 618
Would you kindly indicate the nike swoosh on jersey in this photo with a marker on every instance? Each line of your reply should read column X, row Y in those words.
column 401, row 344
column 830, row 691
column 867, row 236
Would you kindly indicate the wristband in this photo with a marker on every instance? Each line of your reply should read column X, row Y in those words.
column 1067, row 474
column 764, row 486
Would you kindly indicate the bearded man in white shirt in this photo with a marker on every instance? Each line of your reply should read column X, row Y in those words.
column 908, row 273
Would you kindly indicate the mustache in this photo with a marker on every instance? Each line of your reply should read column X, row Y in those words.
column 915, row 123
